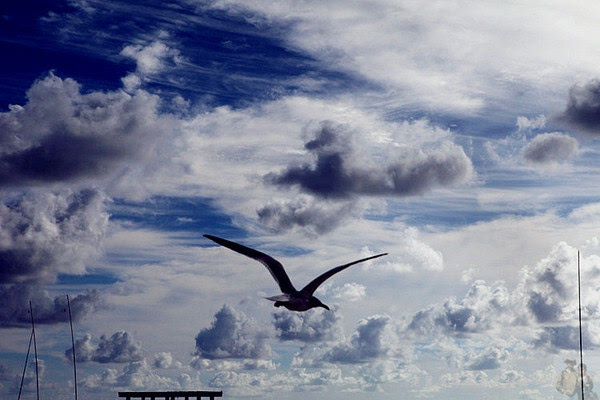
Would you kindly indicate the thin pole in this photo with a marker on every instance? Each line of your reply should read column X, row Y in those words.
column 73, row 344
column 37, row 380
column 25, row 367
column 580, row 331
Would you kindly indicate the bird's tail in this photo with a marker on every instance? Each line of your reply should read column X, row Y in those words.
column 279, row 297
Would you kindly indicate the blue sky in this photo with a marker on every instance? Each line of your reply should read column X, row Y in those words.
column 460, row 138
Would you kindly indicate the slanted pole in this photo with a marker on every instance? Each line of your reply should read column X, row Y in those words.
column 580, row 330
column 73, row 347
column 37, row 380
column 25, row 367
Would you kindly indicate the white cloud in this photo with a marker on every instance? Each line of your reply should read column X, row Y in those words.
column 444, row 56
column 45, row 234
column 307, row 327
column 119, row 348
column 233, row 335
column 375, row 337
column 151, row 58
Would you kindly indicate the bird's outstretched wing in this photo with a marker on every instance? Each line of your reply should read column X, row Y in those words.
column 315, row 283
column 274, row 266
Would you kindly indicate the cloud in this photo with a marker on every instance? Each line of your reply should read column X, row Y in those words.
column 492, row 358
column 150, row 59
column 549, row 289
column 482, row 308
column 313, row 217
column 62, row 135
column 119, row 348
column 47, row 234
column 583, row 108
column 337, row 173
column 232, row 335
column 550, row 148
column 163, row 360
column 375, row 337
column 14, row 305
column 135, row 375
column 307, row 327
column 556, row 338
column 349, row 292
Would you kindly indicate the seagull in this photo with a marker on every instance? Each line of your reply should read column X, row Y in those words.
column 292, row 299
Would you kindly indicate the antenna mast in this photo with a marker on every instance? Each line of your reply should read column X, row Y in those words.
column 25, row 367
column 580, row 331
column 37, row 381
column 73, row 344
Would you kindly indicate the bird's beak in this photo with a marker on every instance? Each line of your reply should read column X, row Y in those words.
column 324, row 306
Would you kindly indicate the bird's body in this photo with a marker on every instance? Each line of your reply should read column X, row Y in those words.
column 292, row 299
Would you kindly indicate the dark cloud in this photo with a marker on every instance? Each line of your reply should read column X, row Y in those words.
column 119, row 348
column 549, row 148
column 490, row 359
column 62, row 135
column 550, row 287
column 583, row 108
column 480, row 309
column 14, row 305
column 307, row 327
column 313, row 217
column 232, row 335
column 375, row 337
column 45, row 234
column 556, row 338
column 337, row 172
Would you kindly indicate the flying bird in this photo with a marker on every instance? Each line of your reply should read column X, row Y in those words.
column 292, row 299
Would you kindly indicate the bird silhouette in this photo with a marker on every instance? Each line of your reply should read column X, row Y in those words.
column 292, row 299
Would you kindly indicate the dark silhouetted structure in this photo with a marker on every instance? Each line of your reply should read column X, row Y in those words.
column 187, row 395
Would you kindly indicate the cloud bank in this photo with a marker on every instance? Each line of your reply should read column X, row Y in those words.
column 14, row 305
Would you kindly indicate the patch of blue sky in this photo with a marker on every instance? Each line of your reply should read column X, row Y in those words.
column 30, row 40
column 95, row 279
column 432, row 214
column 223, row 59
column 175, row 214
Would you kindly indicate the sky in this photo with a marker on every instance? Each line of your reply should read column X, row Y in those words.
column 460, row 137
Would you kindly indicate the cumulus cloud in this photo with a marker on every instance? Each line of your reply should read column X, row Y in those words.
column 14, row 305
column 375, row 337
column 583, row 108
column 304, row 212
column 119, row 348
column 557, row 338
column 550, row 148
column 150, row 59
column 163, row 360
column 62, row 135
column 307, row 327
column 338, row 174
column 482, row 307
column 233, row 335
column 47, row 234
column 349, row 292
column 135, row 375
column 492, row 358
column 541, row 311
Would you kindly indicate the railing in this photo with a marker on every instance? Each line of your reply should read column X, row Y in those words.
column 187, row 395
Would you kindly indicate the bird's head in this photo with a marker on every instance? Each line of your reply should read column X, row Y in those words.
column 314, row 302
